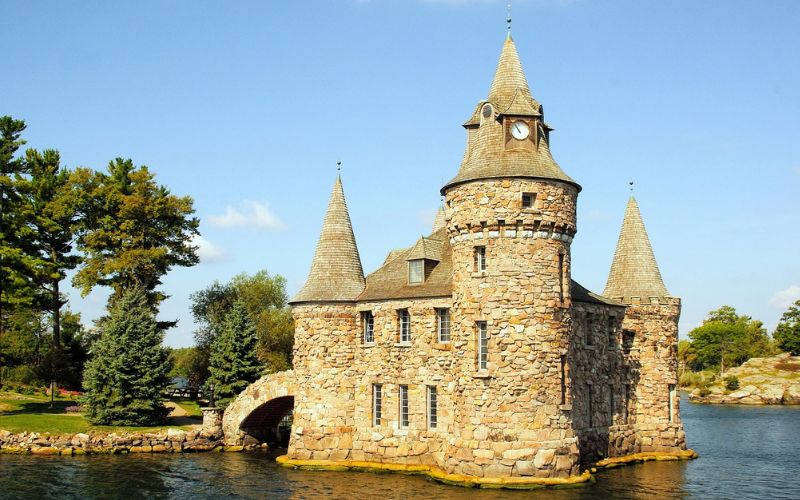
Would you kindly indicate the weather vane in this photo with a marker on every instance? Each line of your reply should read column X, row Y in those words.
column 508, row 19
column 631, row 184
column 339, row 166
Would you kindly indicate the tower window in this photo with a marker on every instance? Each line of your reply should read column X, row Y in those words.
column 403, row 413
column 672, row 402
column 368, row 323
column 487, row 110
column 433, row 407
column 563, row 380
column 404, row 321
column 483, row 345
column 443, row 324
column 528, row 200
column 480, row 258
column 627, row 339
column 416, row 271
column 377, row 403
column 588, row 332
column 561, row 277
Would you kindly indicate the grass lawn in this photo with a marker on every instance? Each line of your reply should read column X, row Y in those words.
column 22, row 413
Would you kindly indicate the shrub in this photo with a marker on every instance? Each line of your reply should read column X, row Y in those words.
column 731, row 382
column 704, row 391
column 691, row 379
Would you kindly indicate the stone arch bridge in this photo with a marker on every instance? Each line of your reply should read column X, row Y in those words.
column 257, row 412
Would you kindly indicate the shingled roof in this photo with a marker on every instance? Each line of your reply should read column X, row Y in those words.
column 390, row 281
column 336, row 272
column 487, row 157
column 634, row 272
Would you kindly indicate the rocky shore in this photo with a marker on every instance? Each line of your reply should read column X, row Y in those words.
column 762, row 381
column 168, row 441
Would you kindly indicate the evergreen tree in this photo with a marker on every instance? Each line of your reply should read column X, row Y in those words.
column 787, row 333
column 234, row 362
column 127, row 375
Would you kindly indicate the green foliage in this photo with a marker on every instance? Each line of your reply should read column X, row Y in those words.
column 787, row 333
column 265, row 299
column 127, row 376
column 731, row 382
column 135, row 231
column 234, row 364
column 190, row 363
column 726, row 339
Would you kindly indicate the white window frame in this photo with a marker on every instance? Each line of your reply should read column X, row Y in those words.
column 368, row 328
column 402, row 420
column 416, row 271
column 404, row 324
column 433, row 407
column 377, row 404
column 672, row 394
column 480, row 258
column 443, row 325
column 482, row 330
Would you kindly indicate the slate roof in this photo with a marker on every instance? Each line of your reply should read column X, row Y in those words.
column 487, row 157
column 634, row 272
column 336, row 273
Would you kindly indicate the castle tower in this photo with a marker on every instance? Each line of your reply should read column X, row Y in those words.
column 511, row 218
column 324, row 314
column 650, row 331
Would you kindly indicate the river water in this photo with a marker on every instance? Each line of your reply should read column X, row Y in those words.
column 745, row 452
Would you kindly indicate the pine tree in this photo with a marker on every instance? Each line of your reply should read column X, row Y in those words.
column 234, row 362
column 127, row 376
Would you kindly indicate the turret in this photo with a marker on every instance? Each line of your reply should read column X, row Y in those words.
column 650, row 333
column 510, row 215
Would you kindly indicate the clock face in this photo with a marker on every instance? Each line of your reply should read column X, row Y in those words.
column 520, row 130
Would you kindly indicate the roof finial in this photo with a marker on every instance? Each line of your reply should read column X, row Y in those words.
column 339, row 166
column 508, row 19
column 631, row 185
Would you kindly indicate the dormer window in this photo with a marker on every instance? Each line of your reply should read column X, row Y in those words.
column 416, row 271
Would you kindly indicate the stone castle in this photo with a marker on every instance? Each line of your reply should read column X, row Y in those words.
column 473, row 352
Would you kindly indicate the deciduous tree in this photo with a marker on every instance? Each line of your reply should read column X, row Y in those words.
column 726, row 339
column 787, row 333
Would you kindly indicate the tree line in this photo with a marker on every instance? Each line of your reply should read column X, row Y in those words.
column 121, row 230
column 727, row 339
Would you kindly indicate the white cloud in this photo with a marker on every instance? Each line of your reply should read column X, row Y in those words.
column 785, row 298
column 253, row 214
column 207, row 251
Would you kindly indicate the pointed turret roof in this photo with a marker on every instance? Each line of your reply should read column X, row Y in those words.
column 487, row 156
column 510, row 87
column 440, row 221
column 336, row 272
column 634, row 272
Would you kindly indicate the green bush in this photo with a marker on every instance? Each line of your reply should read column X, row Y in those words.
column 704, row 391
column 731, row 382
column 691, row 379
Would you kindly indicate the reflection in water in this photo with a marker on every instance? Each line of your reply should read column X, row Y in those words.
column 745, row 452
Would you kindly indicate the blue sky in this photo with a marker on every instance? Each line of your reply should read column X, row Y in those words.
column 247, row 106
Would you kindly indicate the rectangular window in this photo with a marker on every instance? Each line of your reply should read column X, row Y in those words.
column 589, row 328
column 416, row 271
column 672, row 402
column 612, row 331
column 611, row 405
column 404, row 322
column 528, row 200
column 433, row 417
column 483, row 346
column 627, row 403
column 480, row 258
column 403, row 420
column 377, row 403
column 563, row 380
column 589, row 409
column 627, row 340
column 443, row 324
column 561, row 276
column 368, row 322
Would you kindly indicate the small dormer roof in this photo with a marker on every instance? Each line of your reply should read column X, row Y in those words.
column 426, row 248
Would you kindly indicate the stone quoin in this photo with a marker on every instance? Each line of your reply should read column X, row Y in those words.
column 472, row 355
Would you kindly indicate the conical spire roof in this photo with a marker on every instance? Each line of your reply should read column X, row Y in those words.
column 487, row 156
column 440, row 221
column 634, row 272
column 336, row 272
column 510, row 87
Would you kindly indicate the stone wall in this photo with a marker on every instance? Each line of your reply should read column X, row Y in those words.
column 168, row 441
column 260, row 392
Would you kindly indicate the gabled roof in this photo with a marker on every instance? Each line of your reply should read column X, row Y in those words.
column 336, row 273
column 426, row 248
column 634, row 272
